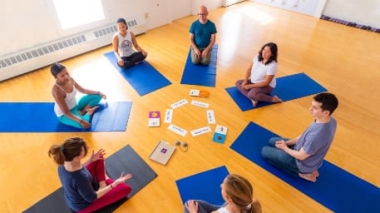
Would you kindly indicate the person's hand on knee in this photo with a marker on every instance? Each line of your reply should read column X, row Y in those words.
column 120, row 62
column 192, row 206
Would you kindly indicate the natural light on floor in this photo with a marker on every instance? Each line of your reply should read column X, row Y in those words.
column 73, row 13
column 257, row 15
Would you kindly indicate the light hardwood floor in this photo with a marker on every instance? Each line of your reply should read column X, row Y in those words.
column 344, row 60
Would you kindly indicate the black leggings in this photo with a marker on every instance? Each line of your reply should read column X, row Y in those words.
column 133, row 59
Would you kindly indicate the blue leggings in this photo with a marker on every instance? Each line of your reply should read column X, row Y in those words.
column 91, row 100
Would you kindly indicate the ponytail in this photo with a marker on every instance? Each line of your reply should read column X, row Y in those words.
column 256, row 206
column 57, row 152
column 70, row 149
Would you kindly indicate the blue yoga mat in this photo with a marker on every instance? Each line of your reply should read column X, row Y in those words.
column 335, row 188
column 143, row 77
column 203, row 186
column 287, row 88
column 202, row 75
column 40, row 117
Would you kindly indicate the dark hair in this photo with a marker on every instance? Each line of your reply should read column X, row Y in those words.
column 56, row 68
column 273, row 48
column 240, row 191
column 70, row 149
column 328, row 100
column 121, row 20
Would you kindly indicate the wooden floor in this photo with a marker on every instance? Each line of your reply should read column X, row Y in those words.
column 345, row 60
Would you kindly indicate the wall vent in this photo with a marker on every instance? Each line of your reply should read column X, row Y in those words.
column 105, row 31
column 36, row 57
column 40, row 51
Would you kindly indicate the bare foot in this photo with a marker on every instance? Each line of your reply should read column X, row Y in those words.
column 276, row 99
column 254, row 103
column 91, row 110
column 86, row 108
column 316, row 173
column 310, row 177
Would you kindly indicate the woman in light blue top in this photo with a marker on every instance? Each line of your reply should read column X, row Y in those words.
column 66, row 108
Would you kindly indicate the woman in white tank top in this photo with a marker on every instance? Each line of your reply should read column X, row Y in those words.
column 122, row 43
column 66, row 108
column 237, row 193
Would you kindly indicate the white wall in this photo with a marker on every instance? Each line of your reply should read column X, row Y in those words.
column 158, row 13
column 311, row 7
column 25, row 24
column 179, row 8
column 29, row 23
column 365, row 12
column 210, row 4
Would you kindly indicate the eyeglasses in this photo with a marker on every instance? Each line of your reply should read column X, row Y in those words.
column 202, row 14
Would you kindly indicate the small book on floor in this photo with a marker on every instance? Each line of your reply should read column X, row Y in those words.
column 154, row 119
column 220, row 134
column 199, row 93
column 162, row 152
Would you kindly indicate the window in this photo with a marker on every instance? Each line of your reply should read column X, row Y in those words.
column 73, row 13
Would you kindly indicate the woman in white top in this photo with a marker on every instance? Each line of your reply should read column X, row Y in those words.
column 237, row 193
column 259, row 80
column 122, row 43
column 66, row 108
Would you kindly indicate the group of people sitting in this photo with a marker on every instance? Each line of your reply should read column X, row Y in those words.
column 258, row 83
column 87, row 187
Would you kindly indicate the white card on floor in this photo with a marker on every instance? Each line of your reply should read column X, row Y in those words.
column 168, row 116
column 210, row 116
column 199, row 104
column 200, row 131
column 177, row 129
column 179, row 103
column 221, row 129
column 194, row 92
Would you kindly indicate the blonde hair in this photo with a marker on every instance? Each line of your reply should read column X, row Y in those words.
column 240, row 191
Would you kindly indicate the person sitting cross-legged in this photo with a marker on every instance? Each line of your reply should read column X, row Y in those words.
column 303, row 155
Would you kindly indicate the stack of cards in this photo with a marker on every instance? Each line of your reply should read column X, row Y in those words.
column 154, row 118
column 220, row 134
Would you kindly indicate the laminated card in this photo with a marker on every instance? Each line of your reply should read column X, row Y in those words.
column 220, row 134
column 199, row 93
column 154, row 118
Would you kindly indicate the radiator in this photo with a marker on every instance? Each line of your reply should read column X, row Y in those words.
column 227, row 3
column 43, row 55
